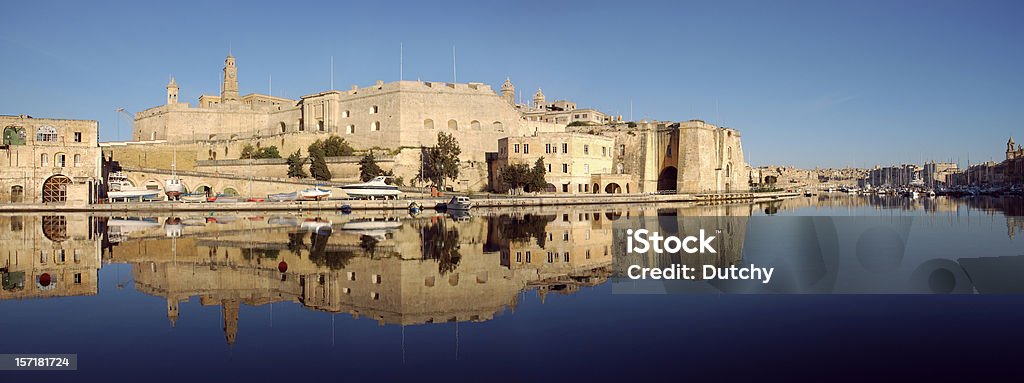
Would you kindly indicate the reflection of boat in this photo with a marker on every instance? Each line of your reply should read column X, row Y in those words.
column 372, row 224
column 134, row 223
column 315, row 193
column 376, row 188
column 316, row 226
column 283, row 221
column 173, row 227
column 279, row 197
column 460, row 214
column 459, row 203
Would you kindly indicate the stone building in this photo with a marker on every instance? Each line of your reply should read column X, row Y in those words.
column 575, row 162
column 398, row 119
column 52, row 161
column 683, row 157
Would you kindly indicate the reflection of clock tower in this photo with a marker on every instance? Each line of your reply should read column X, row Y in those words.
column 229, row 90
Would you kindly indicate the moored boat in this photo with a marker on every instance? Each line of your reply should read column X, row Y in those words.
column 378, row 187
column 459, row 203
column 280, row 197
column 315, row 193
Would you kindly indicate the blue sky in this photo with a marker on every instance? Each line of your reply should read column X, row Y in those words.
column 808, row 83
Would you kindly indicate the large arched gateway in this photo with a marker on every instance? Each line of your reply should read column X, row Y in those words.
column 55, row 189
column 667, row 179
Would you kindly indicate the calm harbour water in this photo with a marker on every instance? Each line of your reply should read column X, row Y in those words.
column 519, row 295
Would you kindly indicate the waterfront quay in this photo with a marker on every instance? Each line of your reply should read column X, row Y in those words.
column 483, row 201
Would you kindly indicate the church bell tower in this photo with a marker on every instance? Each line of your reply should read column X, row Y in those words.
column 229, row 89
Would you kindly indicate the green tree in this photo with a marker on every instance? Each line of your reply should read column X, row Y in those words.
column 318, row 162
column 516, row 176
column 247, row 152
column 537, row 180
column 368, row 167
column 336, row 146
column 269, row 152
column 441, row 162
column 295, row 162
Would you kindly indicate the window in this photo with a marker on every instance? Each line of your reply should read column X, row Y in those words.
column 586, row 149
column 565, row 188
column 428, row 124
column 565, row 168
column 46, row 134
column 78, row 136
column 374, row 109
column 498, row 127
column 78, row 278
column 475, row 125
column 668, row 151
column 519, row 257
column 604, row 151
column 376, row 126
column 565, row 148
column 565, row 236
column 528, row 257
column 622, row 150
column 549, row 168
column 453, row 125
column 78, row 160
column 516, row 150
column 586, row 168
column 547, row 148
column 346, row 114
column 350, row 129
column 17, row 194
column 351, row 275
column 526, row 148
column 550, row 257
column 320, row 125
column 44, row 160
column 566, row 255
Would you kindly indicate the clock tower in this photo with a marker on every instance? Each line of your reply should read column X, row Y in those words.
column 229, row 89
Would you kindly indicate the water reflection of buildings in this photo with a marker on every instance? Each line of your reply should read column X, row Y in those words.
column 417, row 271
column 48, row 256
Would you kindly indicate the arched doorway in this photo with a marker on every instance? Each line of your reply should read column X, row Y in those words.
column 613, row 188
column 667, row 179
column 550, row 188
column 55, row 189
column 597, row 188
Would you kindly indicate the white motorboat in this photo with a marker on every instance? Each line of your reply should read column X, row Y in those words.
column 193, row 197
column 459, row 203
column 315, row 193
column 281, row 197
column 376, row 188
column 119, row 188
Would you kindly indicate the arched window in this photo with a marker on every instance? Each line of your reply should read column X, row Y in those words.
column 230, row 191
column 44, row 159
column 475, row 125
column 282, row 126
column 78, row 160
column 346, row 114
column 453, row 125
column 498, row 127
column 46, row 134
column 728, row 170
column 59, row 160
column 14, row 135
column 350, row 129
column 374, row 109
column 428, row 124
column 375, row 126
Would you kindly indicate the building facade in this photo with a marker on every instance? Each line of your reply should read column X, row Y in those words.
column 574, row 163
column 51, row 161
